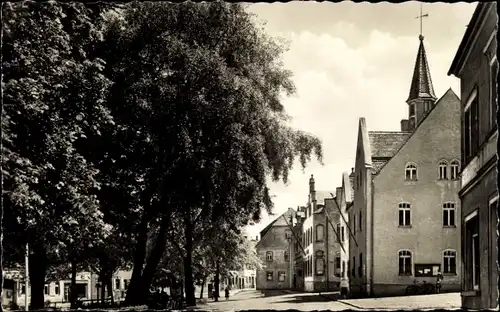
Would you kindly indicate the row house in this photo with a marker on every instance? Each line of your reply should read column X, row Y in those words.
column 476, row 65
column 406, row 183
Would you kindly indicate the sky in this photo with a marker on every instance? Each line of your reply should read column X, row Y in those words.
column 353, row 60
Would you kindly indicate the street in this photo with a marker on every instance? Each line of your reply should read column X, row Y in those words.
column 284, row 300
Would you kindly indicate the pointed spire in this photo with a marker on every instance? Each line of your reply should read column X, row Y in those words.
column 421, row 84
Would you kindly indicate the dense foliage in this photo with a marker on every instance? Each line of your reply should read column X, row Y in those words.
column 141, row 133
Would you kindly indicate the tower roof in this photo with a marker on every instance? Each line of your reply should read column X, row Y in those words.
column 421, row 83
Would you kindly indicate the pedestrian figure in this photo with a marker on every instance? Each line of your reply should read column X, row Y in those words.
column 344, row 288
column 227, row 293
column 438, row 281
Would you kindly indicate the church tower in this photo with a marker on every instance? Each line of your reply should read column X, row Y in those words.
column 421, row 98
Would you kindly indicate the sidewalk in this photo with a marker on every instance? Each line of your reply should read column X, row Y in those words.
column 440, row 301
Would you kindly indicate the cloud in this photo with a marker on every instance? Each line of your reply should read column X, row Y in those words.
column 339, row 82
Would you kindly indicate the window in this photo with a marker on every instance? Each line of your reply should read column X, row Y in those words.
column 471, row 127
column 338, row 232
column 443, row 167
column 117, row 283
column 288, row 235
column 337, row 264
column 360, row 268
column 454, row 169
column 472, row 264
column 56, row 289
column 354, row 223
column 353, row 269
column 342, row 234
column 269, row 276
column 286, row 255
column 427, row 106
column 343, row 268
column 125, row 284
column 320, row 266
column 450, row 262
column 320, row 232
column 404, row 214
column 405, row 262
column 281, row 276
column 269, row 256
column 493, row 92
column 349, row 267
column 449, row 214
column 46, row 289
column 411, row 172
column 310, row 266
column 412, row 110
column 360, row 222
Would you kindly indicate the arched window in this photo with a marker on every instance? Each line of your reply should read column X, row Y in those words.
column 405, row 262
column 455, row 169
column 320, row 232
column 404, row 214
column 320, row 262
column 443, row 168
column 411, row 172
column 449, row 214
column 450, row 261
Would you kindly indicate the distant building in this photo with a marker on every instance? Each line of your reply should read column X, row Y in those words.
column 275, row 249
column 476, row 65
column 406, row 182
column 57, row 292
column 319, row 249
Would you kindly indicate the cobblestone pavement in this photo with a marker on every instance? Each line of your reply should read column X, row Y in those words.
column 275, row 300
column 441, row 301
column 284, row 300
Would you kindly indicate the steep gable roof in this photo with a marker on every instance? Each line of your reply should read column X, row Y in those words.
column 288, row 213
column 347, row 188
column 448, row 93
column 363, row 145
column 384, row 145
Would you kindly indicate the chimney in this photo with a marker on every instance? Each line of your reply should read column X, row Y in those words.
column 351, row 177
column 405, row 126
column 312, row 189
column 338, row 193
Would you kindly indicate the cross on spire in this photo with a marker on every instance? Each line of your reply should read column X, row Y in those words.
column 421, row 17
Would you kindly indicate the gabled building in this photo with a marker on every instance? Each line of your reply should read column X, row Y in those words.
column 476, row 64
column 275, row 248
column 403, row 219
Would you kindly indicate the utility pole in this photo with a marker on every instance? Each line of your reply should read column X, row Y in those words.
column 26, row 279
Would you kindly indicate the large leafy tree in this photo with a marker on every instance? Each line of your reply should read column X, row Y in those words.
column 207, row 85
column 53, row 93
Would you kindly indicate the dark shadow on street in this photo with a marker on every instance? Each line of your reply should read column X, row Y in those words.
column 273, row 292
column 313, row 297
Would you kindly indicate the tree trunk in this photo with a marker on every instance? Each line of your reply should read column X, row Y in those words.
column 110, row 289
column 153, row 261
column 188, row 260
column 72, row 293
column 217, row 280
column 203, row 286
column 37, row 271
column 103, row 290
column 134, row 288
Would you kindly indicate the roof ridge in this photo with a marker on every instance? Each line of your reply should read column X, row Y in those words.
column 433, row 107
column 402, row 132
